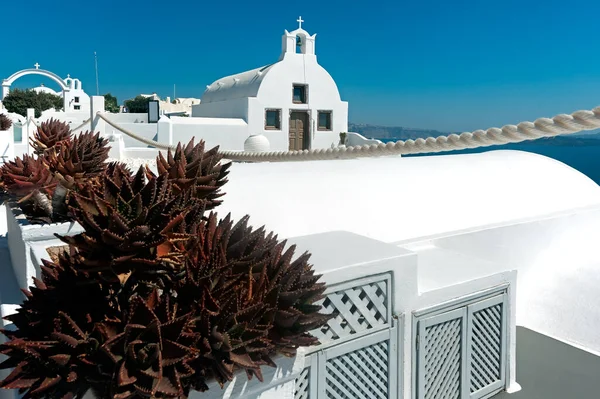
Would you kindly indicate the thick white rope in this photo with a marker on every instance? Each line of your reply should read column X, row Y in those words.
column 544, row 127
column 135, row 136
column 82, row 125
column 77, row 128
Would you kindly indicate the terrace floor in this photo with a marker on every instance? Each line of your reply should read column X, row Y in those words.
column 550, row 369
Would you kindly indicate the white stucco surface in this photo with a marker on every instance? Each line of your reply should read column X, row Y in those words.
column 454, row 225
column 393, row 199
column 248, row 95
column 466, row 217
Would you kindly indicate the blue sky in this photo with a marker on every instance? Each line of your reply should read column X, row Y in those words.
column 452, row 66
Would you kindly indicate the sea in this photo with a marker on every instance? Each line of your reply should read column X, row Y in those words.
column 580, row 153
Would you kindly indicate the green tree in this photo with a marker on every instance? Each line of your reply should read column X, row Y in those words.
column 138, row 105
column 19, row 100
column 110, row 103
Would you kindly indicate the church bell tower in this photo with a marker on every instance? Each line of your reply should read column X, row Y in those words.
column 298, row 42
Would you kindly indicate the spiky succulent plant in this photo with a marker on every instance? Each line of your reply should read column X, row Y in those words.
column 152, row 351
column 73, row 162
column 250, row 299
column 24, row 175
column 55, row 349
column 65, row 287
column 80, row 158
column 193, row 165
column 155, row 299
column 30, row 181
column 133, row 217
column 241, row 301
column 49, row 134
column 5, row 122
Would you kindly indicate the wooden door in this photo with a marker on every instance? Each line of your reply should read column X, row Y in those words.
column 299, row 131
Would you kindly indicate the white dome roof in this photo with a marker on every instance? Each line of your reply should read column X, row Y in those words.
column 394, row 199
column 257, row 143
column 489, row 213
column 44, row 89
column 245, row 84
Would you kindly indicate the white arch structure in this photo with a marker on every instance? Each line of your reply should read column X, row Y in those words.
column 6, row 83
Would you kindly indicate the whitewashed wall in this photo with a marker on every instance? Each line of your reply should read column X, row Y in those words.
column 229, row 134
column 128, row 118
column 272, row 88
column 7, row 146
column 322, row 95
column 73, row 118
column 146, row 130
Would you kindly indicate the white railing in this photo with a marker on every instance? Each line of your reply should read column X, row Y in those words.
column 544, row 127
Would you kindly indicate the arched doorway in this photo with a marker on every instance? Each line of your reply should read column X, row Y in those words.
column 6, row 83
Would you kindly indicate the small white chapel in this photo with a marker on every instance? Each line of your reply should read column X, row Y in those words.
column 292, row 104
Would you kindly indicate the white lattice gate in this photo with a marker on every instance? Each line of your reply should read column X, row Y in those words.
column 462, row 352
column 357, row 357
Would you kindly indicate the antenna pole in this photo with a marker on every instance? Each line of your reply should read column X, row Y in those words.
column 96, row 63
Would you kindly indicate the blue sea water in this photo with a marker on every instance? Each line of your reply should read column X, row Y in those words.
column 584, row 158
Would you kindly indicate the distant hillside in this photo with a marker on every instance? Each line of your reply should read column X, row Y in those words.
column 386, row 133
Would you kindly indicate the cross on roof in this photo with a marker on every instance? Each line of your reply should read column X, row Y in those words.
column 36, row 65
column 300, row 20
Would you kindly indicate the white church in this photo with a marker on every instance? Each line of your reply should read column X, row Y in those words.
column 294, row 103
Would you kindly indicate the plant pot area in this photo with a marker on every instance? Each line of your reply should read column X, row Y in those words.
column 24, row 237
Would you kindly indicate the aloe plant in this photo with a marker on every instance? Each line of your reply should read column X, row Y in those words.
column 49, row 134
column 30, row 181
column 155, row 298
column 42, row 184
column 192, row 165
column 251, row 300
column 151, row 352
column 133, row 217
column 54, row 351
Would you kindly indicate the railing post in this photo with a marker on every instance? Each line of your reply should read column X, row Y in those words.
column 97, row 124
column 165, row 130
column 29, row 130
column 117, row 146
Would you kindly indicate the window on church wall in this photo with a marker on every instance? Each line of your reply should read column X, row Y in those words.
column 324, row 120
column 76, row 99
column 77, row 107
column 273, row 119
column 299, row 94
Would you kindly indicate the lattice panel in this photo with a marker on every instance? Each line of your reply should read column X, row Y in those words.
column 443, row 358
column 303, row 385
column 486, row 347
column 360, row 374
column 360, row 308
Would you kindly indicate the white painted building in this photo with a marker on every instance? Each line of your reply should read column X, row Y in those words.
column 294, row 102
column 455, row 276
column 179, row 105
column 74, row 98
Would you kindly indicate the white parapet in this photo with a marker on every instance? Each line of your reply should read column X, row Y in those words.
column 21, row 235
column 383, row 320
